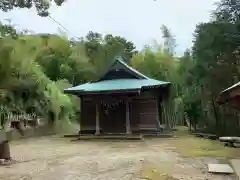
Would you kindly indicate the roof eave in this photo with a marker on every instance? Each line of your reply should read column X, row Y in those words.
column 156, row 86
column 76, row 92
column 227, row 95
column 72, row 92
column 137, row 90
column 231, row 88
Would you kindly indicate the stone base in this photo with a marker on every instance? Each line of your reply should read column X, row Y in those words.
column 5, row 150
column 111, row 137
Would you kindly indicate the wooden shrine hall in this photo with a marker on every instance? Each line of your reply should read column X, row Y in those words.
column 230, row 96
column 122, row 101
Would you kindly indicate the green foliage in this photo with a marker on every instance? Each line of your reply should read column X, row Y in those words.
column 162, row 65
column 169, row 41
column 42, row 6
column 24, row 85
column 102, row 50
column 214, row 66
column 34, row 69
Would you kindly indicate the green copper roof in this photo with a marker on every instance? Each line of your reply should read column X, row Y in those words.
column 116, row 85
column 131, row 84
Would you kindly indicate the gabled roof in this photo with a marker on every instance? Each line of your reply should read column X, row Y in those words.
column 120, row 64
column 231, row 88
column 116, row 85
column 135, row 84
column 229, row 93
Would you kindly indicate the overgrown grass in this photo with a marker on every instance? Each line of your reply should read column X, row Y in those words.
column 58, row 130
column 63, row 127
column 159, row 172
column 190, row 146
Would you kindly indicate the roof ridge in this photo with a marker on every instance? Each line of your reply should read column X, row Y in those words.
column 231, row 87
column 128, row 79
column 120, row 59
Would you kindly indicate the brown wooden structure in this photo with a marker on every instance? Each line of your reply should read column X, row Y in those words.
column 231, row 96
column 122, row 101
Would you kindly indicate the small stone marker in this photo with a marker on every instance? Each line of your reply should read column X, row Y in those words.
column 236, row 166
column 220, row 168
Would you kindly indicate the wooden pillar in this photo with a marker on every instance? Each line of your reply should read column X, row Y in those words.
column 97, row 120
column 128, row 125
column 157, row 116
column 81, row 114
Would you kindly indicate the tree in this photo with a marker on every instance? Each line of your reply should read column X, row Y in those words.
column 214, row 67
column 42, row 6
column 169, row 41
column 101, row 51
column 228, row 11
column 34, row 69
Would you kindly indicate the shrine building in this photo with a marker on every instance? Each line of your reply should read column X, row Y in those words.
column 122, row 101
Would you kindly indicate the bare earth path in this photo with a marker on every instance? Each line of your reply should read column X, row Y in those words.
column 51, row 158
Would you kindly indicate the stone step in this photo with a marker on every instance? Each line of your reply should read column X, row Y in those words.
column 109, row 136
column 160, row 135
column 236, row 166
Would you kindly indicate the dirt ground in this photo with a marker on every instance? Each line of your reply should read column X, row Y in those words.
column 54, row 158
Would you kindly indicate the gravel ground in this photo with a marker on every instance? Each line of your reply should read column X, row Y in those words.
column 58, row 159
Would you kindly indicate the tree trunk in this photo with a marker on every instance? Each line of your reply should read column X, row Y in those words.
column 5, row 150
column 19, row 126
column 215, row 115
column 190, row 125
column 195, row 126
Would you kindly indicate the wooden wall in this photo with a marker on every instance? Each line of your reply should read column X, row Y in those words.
column 144, row 112
column 88, row 116
column 113, row 119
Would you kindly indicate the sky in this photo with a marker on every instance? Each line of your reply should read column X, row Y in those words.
column 136, row 20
